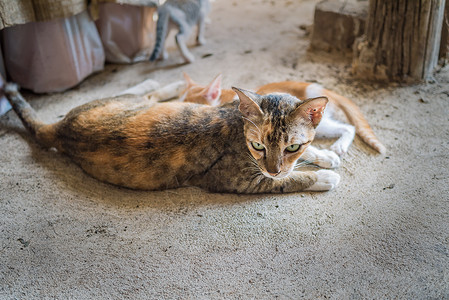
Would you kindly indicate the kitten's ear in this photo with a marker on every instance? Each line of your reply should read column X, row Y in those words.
column 248, row 105
column 188, row 80
column 212, row 92
column 312, row 110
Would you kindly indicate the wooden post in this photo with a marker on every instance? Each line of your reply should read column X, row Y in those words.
column 444, row 45
column 401, row 42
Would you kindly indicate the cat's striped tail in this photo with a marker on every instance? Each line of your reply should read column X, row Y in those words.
column 43, row 133
column 25, row 112
column 355, row 116
column 161, row 33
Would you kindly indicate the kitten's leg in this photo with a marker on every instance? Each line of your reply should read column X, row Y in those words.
column 141, row 88
column 201, row 26
column 164, row 55
column 323, row 158
column 181, row 39
column 169, row 91
column 332, row 128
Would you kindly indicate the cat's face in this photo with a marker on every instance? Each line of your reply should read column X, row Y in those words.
column 278, row 129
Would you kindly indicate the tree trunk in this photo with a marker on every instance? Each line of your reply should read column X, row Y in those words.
column 401, row 42
column 444, row 45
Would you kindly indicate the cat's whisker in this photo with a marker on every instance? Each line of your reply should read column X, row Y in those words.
column 256, row 170
column 255, row 163
column 305, row 163
column 252, row 168
column 253, row 160
column 259, row 177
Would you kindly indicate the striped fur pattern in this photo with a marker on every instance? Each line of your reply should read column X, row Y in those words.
column 132, row 142
column 183, row 15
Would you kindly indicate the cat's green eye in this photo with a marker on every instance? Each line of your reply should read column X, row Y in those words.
column 293, row 148
column 257, row 146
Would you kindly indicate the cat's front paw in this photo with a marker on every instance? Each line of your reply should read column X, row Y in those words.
column 327, row 180
column 339, row 148
column 327, row 159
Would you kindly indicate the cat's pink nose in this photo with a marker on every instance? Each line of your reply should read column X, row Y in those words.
column 274, row 174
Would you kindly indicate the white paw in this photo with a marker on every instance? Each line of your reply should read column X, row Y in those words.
column 189, row 59
column 164, row 55
column 339, row 148
column 327, row 159
column 201, row 41
column 327, row 180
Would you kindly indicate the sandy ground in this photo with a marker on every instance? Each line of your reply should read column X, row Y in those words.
column 383, row 233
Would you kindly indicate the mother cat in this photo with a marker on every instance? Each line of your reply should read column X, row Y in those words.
column 247, row 146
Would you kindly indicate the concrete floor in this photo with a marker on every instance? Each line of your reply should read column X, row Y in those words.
column 383, row 233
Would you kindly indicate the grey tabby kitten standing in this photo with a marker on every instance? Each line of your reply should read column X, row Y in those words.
column 183, row 14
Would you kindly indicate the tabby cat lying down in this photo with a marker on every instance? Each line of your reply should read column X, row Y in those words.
column 250, row 145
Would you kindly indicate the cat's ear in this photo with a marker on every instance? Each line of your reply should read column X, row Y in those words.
column 188, row 80
column 248, row 105
column 212, row 92
column 312, row 110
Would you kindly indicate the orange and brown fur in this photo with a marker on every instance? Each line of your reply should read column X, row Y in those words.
column 197, row 94
column 247, row 146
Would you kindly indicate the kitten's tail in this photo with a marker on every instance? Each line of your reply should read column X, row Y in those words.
column 161, row 33
column 355, row 116
column 43, row 133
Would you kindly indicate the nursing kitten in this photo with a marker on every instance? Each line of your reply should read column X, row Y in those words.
column 212, row 94
column 247, row 146
column 184, row 15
